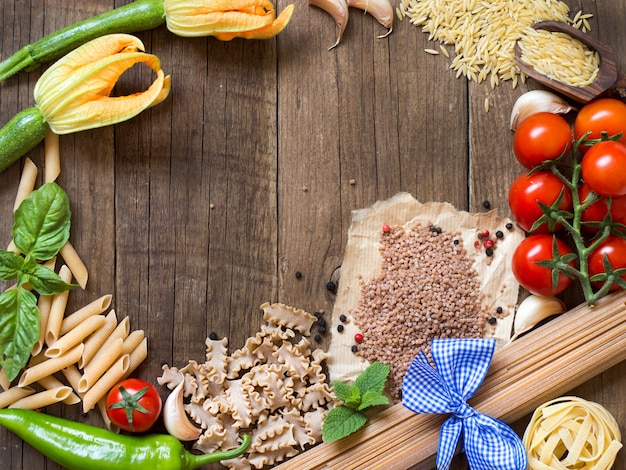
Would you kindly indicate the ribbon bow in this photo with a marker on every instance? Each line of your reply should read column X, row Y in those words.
column 461, row 366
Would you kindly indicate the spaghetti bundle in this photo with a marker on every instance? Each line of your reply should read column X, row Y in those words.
column 572, row 433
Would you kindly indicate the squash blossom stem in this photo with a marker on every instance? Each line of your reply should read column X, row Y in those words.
column 80, row 446
column 140, row 15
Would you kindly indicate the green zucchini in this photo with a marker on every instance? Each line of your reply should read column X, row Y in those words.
column 21, row 134
column 140, row 15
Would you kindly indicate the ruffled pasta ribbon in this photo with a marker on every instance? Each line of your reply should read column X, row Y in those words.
column 460, row 367
column 572, row 433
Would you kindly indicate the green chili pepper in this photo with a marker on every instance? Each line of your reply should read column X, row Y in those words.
column 140, row 15
column 22, row 133
column 79, row 446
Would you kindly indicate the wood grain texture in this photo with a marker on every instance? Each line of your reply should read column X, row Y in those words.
column 199, row 210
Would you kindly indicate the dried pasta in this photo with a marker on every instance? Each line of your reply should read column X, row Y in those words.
column 52, row 157
column 50, row 366
column 75, row 263
column 57, row 309
column 42, row 399
column 75, row 336
column 572, row 433
column 27, row 182
column 100, row 364
column 13, row 394
column 74, row 320
column 97, row 339
column 105, row 383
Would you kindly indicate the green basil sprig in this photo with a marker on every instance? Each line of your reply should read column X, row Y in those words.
column 41, row 227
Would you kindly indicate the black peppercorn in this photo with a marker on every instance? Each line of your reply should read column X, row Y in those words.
column 317, row 338
column 354, row 348
column 486, row 204
column 322, row 329
column 499, row 234
column 509, row 226
column 331, row 286
column 492, row 320
column 489, row 251
column 298, row 274
column 213, row 336
column 340, row 328
column 499, row 310
column 343, row 318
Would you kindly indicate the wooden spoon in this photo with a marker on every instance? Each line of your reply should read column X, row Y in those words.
column 606, row 83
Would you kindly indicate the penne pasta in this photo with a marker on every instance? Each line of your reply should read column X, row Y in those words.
column 121, row 331
column 52, row 382
column 12, row 247
column 50, row 366
column 27, row 182
column 42, row 399
column 133, row 340
column 105, row 383
column 52, row 157
column 139, row 354
column 96, row 307
column 72, row 375
column 97, row 339
column 75, row 336
column 13, row 394
column 43, row 304
column 57, row 309
column 75, row 263
column 102, row 408
column 4, row 381
column 98, row 366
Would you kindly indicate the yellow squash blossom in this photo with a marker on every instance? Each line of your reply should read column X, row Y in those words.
column 74, row 94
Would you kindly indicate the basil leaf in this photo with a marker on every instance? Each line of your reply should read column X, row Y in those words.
column 19, row 329
column 42, row 222
column 45, row 281
column 10, row 265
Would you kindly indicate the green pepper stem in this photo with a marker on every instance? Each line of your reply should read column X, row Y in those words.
column 140, row 15
column 197, row 460
column 22, row 133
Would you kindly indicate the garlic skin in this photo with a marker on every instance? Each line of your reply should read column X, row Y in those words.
column 537, row 101
column 379, row 9
column 532, row 310
column 338, row 9
column 175, row 418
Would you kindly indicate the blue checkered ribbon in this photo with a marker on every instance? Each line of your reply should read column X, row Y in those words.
column 460, row 367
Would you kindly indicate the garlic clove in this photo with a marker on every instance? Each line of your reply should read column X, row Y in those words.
column 379, row 9
column 175, row 418
column 532, row 310
column 537, row 101
column 338, row 9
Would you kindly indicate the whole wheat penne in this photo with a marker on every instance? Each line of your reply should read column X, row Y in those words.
column 139, row 354
column 75, row 263
column 13, row 394
column 96, row 307
column 98, row 366
column 75, row 336
column 50, row 366
column 105, row 383
column 50, row 382
column 97, row 339
column 132, row 341
column 43, row 304
column 41, row 399
column 27, row 182
column 57, row 309
column 51, row 156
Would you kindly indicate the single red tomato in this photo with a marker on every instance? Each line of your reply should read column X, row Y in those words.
column 528, row 189
column 604, row 168
column 615, row 249
column 541, row 137
column 535, row 278
column 597, row 211
column 601, row 115
column 133, row 405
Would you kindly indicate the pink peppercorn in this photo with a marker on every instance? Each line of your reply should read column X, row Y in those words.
column 488, row 243
column 358, row 337
column 386, row 228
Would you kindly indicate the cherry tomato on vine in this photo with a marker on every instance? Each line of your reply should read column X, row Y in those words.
column 535, row 278
column 615, row 249
column 604, row 168
column 597, row 211
column 133, row 405
column 527, row 189
column 541, row 137
column 604, row 114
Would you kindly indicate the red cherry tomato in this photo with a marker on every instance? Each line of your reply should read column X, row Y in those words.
column 615, row 249
column 541, row 137
column 133, row 405
column 526, row 190
column 604, row 114
column 604, row 168
column 597, row 211
column 533, row 277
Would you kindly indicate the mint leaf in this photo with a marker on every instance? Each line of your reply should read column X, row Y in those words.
column 341, row 422
column 10, row 265
column 372, row 398
column 45, row 281
column 42, row 222
column 373, row 378
column 348, row 394
column 19, row 329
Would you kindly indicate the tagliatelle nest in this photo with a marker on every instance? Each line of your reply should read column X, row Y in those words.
column 273, row 388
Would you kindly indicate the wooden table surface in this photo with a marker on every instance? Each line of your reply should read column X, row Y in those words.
column 199, row 210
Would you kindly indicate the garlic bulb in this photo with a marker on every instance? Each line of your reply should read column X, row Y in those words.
column 537, row 101
column 532, row 310
column 175, row 418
